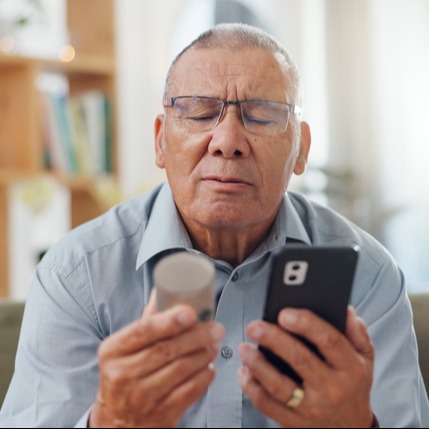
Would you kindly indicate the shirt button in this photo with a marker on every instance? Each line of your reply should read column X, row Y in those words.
column 235, row 277
column 227, row 352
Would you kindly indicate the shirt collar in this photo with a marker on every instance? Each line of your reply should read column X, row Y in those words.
column 295, row 228
column 165, row 230
column 287, row 229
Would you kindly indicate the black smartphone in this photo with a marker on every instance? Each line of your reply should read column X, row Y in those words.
column 319, row 279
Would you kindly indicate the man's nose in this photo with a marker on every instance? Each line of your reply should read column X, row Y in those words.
column 230, row 138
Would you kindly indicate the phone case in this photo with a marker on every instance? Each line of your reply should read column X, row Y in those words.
column 319, row 279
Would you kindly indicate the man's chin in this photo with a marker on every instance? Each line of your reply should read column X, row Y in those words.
column 228, row 217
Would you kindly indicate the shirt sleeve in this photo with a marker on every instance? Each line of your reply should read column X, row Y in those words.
column 56, row 372
column 398, row 396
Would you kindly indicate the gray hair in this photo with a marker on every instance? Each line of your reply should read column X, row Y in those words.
column 241, row 36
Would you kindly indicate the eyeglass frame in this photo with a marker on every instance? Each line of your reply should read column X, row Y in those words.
column 293, row 108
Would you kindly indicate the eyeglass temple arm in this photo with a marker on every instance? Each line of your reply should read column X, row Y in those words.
column 296, row 110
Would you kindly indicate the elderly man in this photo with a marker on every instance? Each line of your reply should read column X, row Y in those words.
column 95, row 351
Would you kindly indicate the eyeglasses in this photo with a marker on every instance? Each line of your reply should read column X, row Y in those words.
column 199, row 114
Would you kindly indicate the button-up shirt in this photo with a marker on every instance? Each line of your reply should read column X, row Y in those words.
column 99, row 277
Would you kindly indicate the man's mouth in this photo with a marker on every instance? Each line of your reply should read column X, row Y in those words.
column 227, row 184
column 228, row 180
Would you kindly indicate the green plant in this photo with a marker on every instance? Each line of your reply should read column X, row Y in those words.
column 34, row 11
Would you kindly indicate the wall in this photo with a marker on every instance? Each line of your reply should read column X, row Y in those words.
column 364, row 65
column 144, row 29
column 147, row 44
column 400, row 66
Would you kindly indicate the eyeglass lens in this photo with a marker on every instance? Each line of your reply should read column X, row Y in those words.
column 259, row 117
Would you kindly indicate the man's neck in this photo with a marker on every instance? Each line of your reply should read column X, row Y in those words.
column 232, row 245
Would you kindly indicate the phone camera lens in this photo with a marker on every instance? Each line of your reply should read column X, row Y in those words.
column 296, row 267
column 293, row 278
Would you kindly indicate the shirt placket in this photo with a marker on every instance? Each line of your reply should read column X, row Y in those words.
column 225, row 397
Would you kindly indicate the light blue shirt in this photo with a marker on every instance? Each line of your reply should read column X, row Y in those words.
column 99, row 278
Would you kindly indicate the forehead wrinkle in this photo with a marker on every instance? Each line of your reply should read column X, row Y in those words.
column 229, row 75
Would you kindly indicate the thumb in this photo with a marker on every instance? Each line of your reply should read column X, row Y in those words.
column 357, row 334
column 151, row 307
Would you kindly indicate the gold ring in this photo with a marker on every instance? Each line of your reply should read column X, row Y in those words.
column 296, row 400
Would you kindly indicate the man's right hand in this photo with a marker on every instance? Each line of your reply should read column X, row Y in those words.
column 152, row 370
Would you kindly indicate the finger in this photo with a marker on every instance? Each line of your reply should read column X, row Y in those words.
column 202, row 336
column 331, row 343
column 357, row 334
column 277, row 385
column 263, row 402
column 307, row 364
column 179, row 400
column 146, row 331
column 168, row 379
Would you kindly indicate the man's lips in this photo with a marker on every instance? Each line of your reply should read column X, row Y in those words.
column 227, row 180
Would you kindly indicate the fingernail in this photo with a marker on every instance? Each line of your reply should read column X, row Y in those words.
column 185, row 318
column 352, row 311
column 244, row 353
column 257, row 332
column 289, row 318
column 243, row 374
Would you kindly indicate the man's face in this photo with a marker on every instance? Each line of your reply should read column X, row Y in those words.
column 228, row 177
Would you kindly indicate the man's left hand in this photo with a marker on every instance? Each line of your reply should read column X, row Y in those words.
column 336, row 391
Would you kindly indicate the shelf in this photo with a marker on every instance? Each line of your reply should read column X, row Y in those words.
column 83, row 66
column 74, row 183
column 10, row 176
column 91, row 69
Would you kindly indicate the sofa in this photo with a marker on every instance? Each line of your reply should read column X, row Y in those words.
column 420, row 304
column 11, row 316
column 10, row 324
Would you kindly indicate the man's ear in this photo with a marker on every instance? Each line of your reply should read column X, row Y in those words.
column 160, row 141
column 304, row 149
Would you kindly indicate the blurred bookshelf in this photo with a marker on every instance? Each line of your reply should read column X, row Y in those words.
column 68, row 134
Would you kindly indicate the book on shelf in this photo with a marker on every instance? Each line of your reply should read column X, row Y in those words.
column 77, row 133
